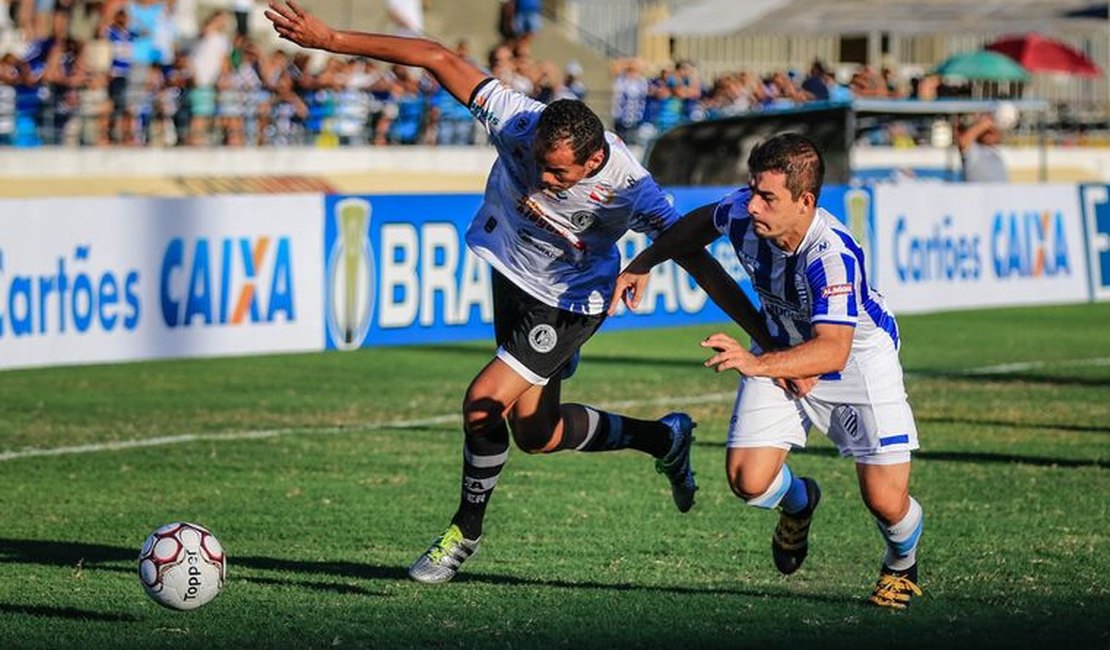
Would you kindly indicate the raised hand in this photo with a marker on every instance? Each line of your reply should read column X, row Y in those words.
column 293, row 23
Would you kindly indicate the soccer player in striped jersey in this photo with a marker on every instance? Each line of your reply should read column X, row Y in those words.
column 826, row 322
column 559, row 196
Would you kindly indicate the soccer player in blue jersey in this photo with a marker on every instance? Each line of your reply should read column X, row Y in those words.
column 559, row 196
column 826, row 322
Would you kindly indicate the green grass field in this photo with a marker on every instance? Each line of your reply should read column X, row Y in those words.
column 325, row 475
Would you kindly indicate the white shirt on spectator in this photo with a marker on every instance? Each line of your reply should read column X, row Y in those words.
column 408, row 16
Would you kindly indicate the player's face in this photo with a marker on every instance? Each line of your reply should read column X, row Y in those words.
column 559, row 170
column 776, row 214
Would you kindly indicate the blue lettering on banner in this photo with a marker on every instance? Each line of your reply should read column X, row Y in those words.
column 1030, row 244
column 75, row 297
column 1096, row 206
column 941, row 254
column 188, row 296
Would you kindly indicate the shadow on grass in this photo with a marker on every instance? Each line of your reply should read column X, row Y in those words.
column 958, row 456
column 1009, row 377
column 1036, row 426
column 102, row 557
column 65, row 612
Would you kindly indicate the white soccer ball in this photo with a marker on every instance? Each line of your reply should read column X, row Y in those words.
column 182, row 566
column 1006, row 116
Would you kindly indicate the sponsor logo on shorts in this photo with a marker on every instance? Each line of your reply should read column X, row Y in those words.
column 543, row 338
column 848, row 417
column 836, row 290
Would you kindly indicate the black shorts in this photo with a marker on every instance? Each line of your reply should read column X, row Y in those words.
column 536, row 339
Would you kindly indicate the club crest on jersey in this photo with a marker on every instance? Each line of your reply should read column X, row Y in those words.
column 602, row 193
column 582, row 220
column 836, row 290
column 543, row 338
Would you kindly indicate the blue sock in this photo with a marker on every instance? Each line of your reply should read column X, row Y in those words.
column 796, row 498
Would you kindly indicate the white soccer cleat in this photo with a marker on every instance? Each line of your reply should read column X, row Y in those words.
column 443, row 558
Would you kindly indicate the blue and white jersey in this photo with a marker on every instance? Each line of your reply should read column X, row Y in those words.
column 560, row 247
column 824, row 281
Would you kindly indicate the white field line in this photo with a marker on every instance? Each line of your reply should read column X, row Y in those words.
column 262, row 434
column 1004, row 368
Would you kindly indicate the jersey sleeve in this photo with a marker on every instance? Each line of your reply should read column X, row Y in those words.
column 652, row 210
column 834, row 283
column 733, row 206
column 502, row 110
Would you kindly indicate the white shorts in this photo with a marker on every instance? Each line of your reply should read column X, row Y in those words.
column 864, row 412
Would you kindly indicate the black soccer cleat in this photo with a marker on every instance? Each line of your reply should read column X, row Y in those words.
column 790, row 543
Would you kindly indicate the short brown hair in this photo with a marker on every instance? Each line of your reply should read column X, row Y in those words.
column 795, row 156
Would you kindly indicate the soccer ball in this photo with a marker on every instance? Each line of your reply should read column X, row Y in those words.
column 182, row 566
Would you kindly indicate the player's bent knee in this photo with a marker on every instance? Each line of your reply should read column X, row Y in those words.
column 480, row 416
column 748, row 488
column 530, row 438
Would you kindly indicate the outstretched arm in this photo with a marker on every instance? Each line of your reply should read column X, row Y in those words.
column 826, row 352
column 685, row 242
column 689, row 234
column 453, row 72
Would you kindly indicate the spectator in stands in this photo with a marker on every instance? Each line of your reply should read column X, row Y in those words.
column 816, row 84
column 891, row 84
column 782, row 91
column 144, row 86
column 572, row 82
column 118, row 34
column 527, row 19
column 151, row 32
column 686, row 86
column 630, row 89
column 452, row 123
column 978, row 143
column 9, row 77
column 728, row 97
column 502, row 65
column 925, row 87
column 664, row 105
column 288, row 113
column 207, row 62
column 405, row 113
column 352, row 105
column 173, row 103
column 865, row 83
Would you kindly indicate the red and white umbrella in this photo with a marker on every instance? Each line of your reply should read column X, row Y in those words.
column 1036, row 53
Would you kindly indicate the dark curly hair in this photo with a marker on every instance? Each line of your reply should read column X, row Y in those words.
column 571, row 121
column 793, row 155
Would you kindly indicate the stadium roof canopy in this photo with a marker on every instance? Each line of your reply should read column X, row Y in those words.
column 800, row 17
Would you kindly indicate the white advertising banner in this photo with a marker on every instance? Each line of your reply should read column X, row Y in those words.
column 121, row 279
column 966, row 246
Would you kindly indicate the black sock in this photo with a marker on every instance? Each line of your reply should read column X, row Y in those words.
column 483, row 458
column 588, row 429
